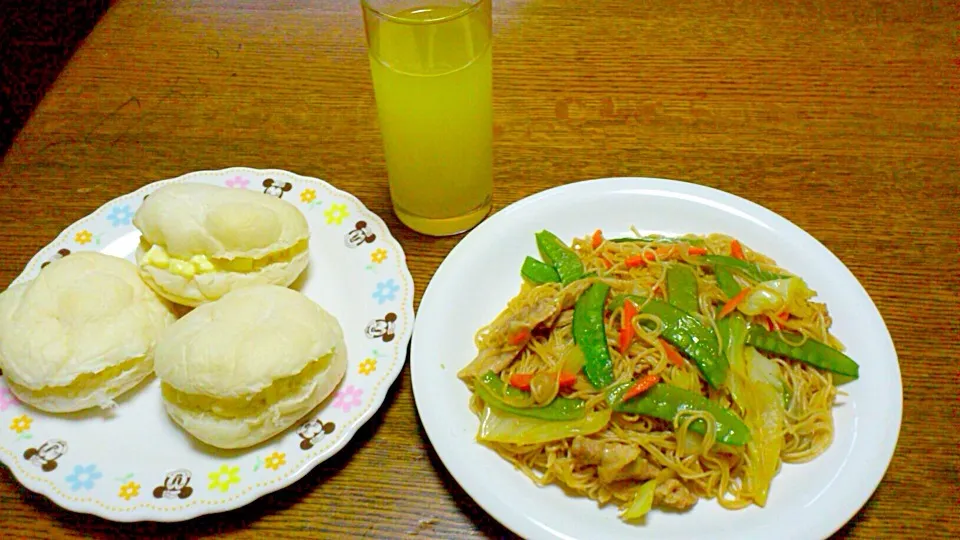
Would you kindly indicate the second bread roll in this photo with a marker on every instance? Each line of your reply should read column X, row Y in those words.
column 198, row 241
column 238, row 371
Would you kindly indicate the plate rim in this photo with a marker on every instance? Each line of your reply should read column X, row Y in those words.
column 619, row 183
column 381, row 392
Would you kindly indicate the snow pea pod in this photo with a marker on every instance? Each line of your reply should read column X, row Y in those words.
column 682, row 288
column 725, row 280
column 665, row 401
column 564, row 260
column 489, row 387
column 538, row 272
column 687, row 333
column 590, row 335
column 749, row 269
column 810, row 352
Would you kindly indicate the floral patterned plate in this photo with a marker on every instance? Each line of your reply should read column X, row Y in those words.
column 133, row 463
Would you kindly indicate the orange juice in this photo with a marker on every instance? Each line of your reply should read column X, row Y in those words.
column 431, row 68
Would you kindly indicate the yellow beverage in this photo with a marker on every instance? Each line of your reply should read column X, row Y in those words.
column 431, row 67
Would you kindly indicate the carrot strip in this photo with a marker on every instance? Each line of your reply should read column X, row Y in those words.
column 566, row 379
column 634, row 260
column 697, row 250
column 642, row 385
column 521, row 380
column 519, row 336
column 626, row 326
column 768, row 322
column 597, row 238
column 783, row 315
column 662, row 252
column 672, row 355
column 733, row 302
column 606, row 262
column 629, row 312
column 736, row 249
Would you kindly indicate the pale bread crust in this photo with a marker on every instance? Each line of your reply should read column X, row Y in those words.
column 239, row 346
column 81, row 315
column 250, row 430
column 219, row 222
column 243, row 342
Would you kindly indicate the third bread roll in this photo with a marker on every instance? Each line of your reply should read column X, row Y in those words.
column 239, row 370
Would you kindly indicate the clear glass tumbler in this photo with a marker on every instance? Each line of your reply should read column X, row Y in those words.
column 432, row 77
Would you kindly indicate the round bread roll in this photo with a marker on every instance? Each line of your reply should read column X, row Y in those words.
column 198, row 241
column 238, row 371
column 80, row 334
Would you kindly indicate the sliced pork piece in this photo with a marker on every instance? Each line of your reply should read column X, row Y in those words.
column 614, row 461
column 500, row 352
column 673, row 494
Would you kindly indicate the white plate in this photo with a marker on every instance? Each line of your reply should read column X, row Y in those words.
column 129, row 466
column 481, row 274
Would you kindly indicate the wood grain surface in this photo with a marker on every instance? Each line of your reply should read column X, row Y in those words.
column 840, row 116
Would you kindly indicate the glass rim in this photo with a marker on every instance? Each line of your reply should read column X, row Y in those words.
column 472, row 6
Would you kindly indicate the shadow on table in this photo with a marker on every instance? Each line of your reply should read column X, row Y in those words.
column 273, row 504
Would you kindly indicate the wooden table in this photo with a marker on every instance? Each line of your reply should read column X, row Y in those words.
column 841, row 116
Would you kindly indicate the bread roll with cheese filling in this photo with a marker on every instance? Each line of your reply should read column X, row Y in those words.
column 199, row 242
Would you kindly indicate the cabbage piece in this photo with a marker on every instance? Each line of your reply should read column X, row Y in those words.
column 642, row 502
column 764, row 414
column 503, row 427
column 755, row 385
column 733, row 334
column 773, row 296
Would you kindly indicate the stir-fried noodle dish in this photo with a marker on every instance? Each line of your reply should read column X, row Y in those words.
column 653, row 371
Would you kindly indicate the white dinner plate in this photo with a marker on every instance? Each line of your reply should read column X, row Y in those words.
column 482, row 273
column 134, row 463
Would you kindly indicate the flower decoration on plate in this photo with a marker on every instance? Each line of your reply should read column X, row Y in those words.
column 386, row 291
column 7, row 399
column 83, row 237
column 83, row 477
column 347, row 398
column 21, row 423
column 368, row 366
column 336, row 214
column 129, row 490
column 120, row 215
column 223, row 478
column 238, row 182
column 275, row 460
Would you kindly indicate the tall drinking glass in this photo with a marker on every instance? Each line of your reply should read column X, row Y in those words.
column 432, row 78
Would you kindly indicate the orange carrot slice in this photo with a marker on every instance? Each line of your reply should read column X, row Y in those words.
column 642, row 385
column 733, row 302
column 672, row 355
column 736, row 250
column 597, row 239
column 634, row 261
column 519, row 336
